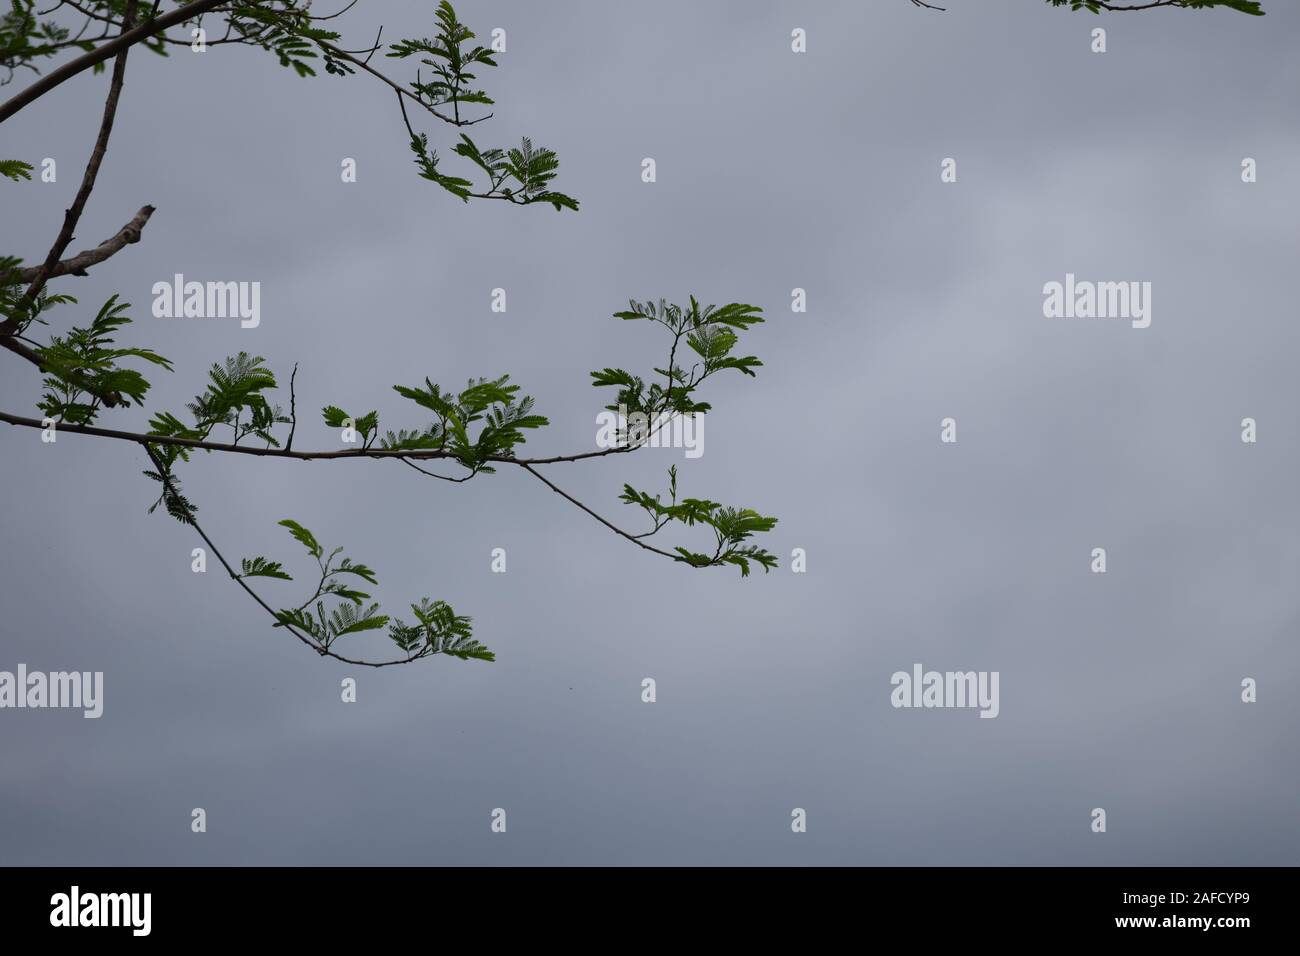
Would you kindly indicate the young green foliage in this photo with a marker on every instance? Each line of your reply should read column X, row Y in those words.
column 438, row 629
column 17, row 310
column 449, row 61
column 502, row 418
column 478, row 426
column 262, row 568
column 710, row 332
column 286, row 30
column 15, row 169
column 366, row 425
column 25, row 38
column 233, row 398
column 732, row 527
column 522, row 175
column 82, row 367
column 171, row 497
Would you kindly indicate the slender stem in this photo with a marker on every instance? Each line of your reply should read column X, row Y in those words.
column 82, row 63
column 293, row 409
column 400, row 453
column 401, row 90
column 72, row 215
column 612, row 527
column 314, row 645
column 403, row 455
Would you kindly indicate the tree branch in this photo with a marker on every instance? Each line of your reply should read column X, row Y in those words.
column 72, row 215
column 397, row 87
column 572, row 500
column 322, row 651
column 110, row 399
column 78, row 264
column 406, row 456
column 400, row 453
column 122, row 42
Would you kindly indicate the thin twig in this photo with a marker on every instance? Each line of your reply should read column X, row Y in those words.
column 314, row 645
column 293, row 409
column 407, row 461
column 424, row 454
column 612, row 527
column 101, row 53
column 401, row 90
column 72, row 215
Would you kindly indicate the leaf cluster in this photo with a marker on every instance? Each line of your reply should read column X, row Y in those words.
column 521, row 175
column 710, row 332
column 449, row 61
column 286, row 30
column 82, row 368
column 485, row 420
column 25, row 38
column 437, row 628
column 235, row 398
column 732, row 527
column 15, row 169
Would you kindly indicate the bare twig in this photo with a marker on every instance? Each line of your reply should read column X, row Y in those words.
column 78, row 264
column 574, row 501
column 72, row 214
column 456, row 481
column 293, row 409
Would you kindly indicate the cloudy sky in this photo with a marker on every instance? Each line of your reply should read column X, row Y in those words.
column 775, row 170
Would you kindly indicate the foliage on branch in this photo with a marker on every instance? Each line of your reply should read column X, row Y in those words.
column 1251, row 7
column 15, row 169
column 234, row 398
column 478, row 428
column 438, row 629
column 83, row 367
column 495, row 407
column 731, row 526
column 710, row 332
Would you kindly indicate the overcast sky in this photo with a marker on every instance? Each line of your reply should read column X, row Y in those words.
column 775, row 170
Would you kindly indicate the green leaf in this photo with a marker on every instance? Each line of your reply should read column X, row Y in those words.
column 365, row 425
column 304, row 536
column 346, row 619
column 15, row 169
column 299, row 619
column 82, row 370
column 261, row 568
column 334, row 416
column 360, row 570
column 439, row 630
